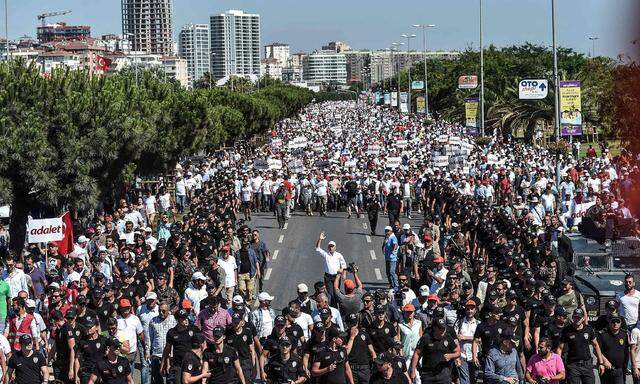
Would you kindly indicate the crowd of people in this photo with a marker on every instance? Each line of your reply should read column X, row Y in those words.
column 171, row 284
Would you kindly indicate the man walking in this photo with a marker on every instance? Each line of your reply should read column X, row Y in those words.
column 390, row 250
column 334, row 264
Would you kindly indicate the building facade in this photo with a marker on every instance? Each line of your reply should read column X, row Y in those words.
column 194, row 47
column 62, row 31
column 235, row 44
column 336, row 46
column 278, row 51
column 322, row 67
column 358, row 65
column 148, row 25
column 272, row 68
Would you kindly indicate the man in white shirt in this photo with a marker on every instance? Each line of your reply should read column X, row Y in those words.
column 80, row 249
column 438, row 275
column 304, row 320
column 149, row 239
column 629, row 302
column 333, row 264
column 131, row 326
column 16, row 278
column 228, row 264
column 466, row 328
column 181, row 194
column 322, row 189
column 197, row 291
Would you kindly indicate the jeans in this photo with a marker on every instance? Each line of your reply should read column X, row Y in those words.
column 181, row 201
column 407, row 205
column 361, row 374
column 281, row 212
column 322, row 204
column 145, row 367
column 392, row 276
column 3, row 323
column 467, row 372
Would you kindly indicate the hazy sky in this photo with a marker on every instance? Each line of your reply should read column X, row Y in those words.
column 306, row 25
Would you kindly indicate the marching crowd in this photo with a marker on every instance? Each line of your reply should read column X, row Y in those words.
column 173, row 287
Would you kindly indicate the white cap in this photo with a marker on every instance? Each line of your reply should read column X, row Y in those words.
column 198, row 276
column 102, row 248
column 406, row 226
column 54, row 285
column 237, row 299
column 82, row 239
column 388, row 228
column 151, row 296
column 264, row 296
column 302, row 288
column 332, row 243
column 424, row 290
column 74, row 277
column 148, row 229
column 30, row 303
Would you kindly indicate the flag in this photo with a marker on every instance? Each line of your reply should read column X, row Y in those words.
column 65, row 246
column 102, row 63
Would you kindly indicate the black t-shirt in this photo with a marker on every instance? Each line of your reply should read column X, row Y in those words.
column 87, row 318
column 240, row 342
column 129, row 292
column 27, row 369
column 352, row 189
column 489, row 334
column 142, row 277
column 61, row 340
column 312, row 347
column 359, row 354
column 245, row 263
column 433, row 349
column 553, row 332
column 280, row 371
column 221, row 365
column 327, row 357
column 113, row 373
column 396, row 378
column 180, row 340
column 382, row 337
column 192, row 364
column 103, row 311
column 615, row 347
column 577, row 343
column 163, row 264
column 393, row 203
column 91, row 351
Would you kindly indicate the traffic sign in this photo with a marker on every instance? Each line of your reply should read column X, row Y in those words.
column 468, row 82
column 533, row 89
column 417, row 84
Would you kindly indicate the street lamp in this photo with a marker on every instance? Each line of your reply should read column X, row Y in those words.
column 424, row 46
column 481, row 76
column 409, row 37
column 6, row 28
column 556, row 86
column 593, row 45
column 130, row 46
column 396, row 47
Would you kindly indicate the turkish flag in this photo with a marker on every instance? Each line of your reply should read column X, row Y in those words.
column 103, row 63
column 65, row 246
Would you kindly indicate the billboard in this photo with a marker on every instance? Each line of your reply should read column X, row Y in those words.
column 468, row 82
column 404, row 102
column 570, row 108
column 417, row 84
column 471, row 112
column 533, row 89
column 421, row 105
column 387, row 98
column 394, row 99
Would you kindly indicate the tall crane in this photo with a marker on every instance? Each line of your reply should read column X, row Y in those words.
column 44, row 16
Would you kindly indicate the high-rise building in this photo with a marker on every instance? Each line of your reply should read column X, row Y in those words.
column 235, row 44
column 193, row 45
column 358, row 66
column 325, row 67
column 62, row 31
column 147, row 24
column 336, row 46
column 277, row 51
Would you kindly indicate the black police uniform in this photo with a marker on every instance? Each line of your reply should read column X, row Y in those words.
column 615, row 348
column 113, row 372
column 180, row 341
column 396, row 378
column 90, row 351
column 489, row 335
column 328, row 356
column 63, row 352
column 434, row 368
column 221, row 365
column 27, row 368
column 192, row 364
column 359, row 358
column 103, row 312
column 382, row 337
column 578, row 359
column 280, row 371
column 241, row 342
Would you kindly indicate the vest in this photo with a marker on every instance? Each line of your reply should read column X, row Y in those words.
column 15, row 333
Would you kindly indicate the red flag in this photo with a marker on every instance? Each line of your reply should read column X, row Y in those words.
column 65, row 246
column 102, row 63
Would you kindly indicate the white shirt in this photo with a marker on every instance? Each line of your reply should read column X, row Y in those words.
column 181, row 188
column 629, row 306
column 165, row 201
column 435, row 286
column 332, row 263
column 6, row 349
column 195, row 296
column 131, row 327
column 633, row 340
column 151, row 242
column 321, row 188
column 304, row 321
column 229, row 267
column 150, row 204
column 467, row 328
column 17, row 281
column 267, row 324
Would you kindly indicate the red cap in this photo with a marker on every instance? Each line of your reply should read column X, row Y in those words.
column 226, row 248
column 438, row 259
column 408, row 308
column 428, row 238
column 471, row 303
column 433, row 297
column 349, row 284
column 186, row 304
column 124, row 303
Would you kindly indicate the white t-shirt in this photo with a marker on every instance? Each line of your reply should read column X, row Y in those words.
column 181, row 188
column 629, row 306
column 246, row 193
column 229, row 267
column 131, row 327
column 633, row 340
column 304, row 320
column 195, row 296
column 150, row 204
column 6, row 349
column 435, row 286
column 267, row 324
column 165, row 201
column 321, row 188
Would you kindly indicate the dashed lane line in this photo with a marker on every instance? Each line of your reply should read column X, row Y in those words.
column 377, row 271
column 286, row 225
column 281, row 238
column 275, row 254
column 267, row 275
column 368, row 239
column 373, row 254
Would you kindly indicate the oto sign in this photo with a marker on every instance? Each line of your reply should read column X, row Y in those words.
column 468, row 82
column 533, row 89
column 45, row 230
column 417, row 84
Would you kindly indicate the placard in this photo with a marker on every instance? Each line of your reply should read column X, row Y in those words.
column 393, row 162
column 45, row 230
column 274, row 163
column 440, row 161
column 373, row 149
column 401, row 143
column 260, row 164
column 318, row 147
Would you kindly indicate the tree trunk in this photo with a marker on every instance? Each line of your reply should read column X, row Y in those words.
column 20, row 208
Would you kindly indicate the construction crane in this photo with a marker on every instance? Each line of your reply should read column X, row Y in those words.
column 44, row 16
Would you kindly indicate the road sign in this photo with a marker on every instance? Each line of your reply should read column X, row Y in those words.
column 468, row 82
column 533, row 89
column 417, row 84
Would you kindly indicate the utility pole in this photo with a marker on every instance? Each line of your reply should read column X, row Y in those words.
column 409, row 37
column 424, row 46
column 481, row 76
column 6, row 29
column 556, row 81
column 593, row 45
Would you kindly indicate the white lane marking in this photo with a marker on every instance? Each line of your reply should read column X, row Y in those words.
column 281, row 238
column 268, row 275
column 377, row 271
column 368, row 239
column 275, row 254
column 286, row 225
column 364, row 225
column 373, row 254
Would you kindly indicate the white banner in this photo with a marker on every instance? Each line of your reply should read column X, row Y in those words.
column 274, row 163
column 454, row 140
column 440, row 161
column 318, row 147
column 373, row 149
column 260, row 164
column 350, row 163
column 394, row 162
column 296, row 166
column 401, row 143
column 45, row 230
column 443, row 138
column 298, row 142
column 533, row 89
column 276, row 142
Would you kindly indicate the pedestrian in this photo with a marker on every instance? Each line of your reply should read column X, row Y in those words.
column 372, row 206
column 436, row 349
column 27, row 366
column 394, row 206
column 113, row 368
column 157, row 340
column 629, row 302
column 248, row 271
column 545, row 366
column 191, row 368
column 222, row 361
column 360, row 350
column 390, row 250
column 331, row 365
column 178, row 343
column 212, row 316
column 263, row 317
column 334, row 265
column 262, row 253
column 501, row 365
column 240, row 336
column 614, row 346
column 351, row 300
column 91, row 349
column 575, row 341
column 385, row 372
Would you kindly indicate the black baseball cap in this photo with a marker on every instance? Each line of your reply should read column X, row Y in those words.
column 197, row 339
column 280, row 320
column 318, row 326
column 379, row 308
column 352, row 318
column 25, row 339
column 113, row 342
column 383, row 358
column 578, row 312
column 218, row 332
column 236, row 318
column 284, row 341
column 324, row 313
column 182, row 313
column 333, row 332
column 440, row 322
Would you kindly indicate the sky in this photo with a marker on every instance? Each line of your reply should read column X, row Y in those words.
column 374, row 24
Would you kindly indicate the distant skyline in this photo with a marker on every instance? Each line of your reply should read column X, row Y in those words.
column 306, row 25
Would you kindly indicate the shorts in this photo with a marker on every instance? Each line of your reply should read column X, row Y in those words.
column 353, row 201
column 246, row 204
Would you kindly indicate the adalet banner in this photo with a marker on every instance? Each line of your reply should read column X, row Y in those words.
column 421, row 106
column 571, row 108
column 471, row 112
column 45, row 230
column 417, row 84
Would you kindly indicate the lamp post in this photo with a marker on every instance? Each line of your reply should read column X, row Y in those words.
column 424, row 47
column 481, row 76
column 130, row 46
column 397, row 72
column 556, row 86
column 409, row 37
column 6, row 29
column 593, row 45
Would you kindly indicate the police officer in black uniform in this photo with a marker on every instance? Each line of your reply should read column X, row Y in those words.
column 222, row 361
column 385, row 373
column 113, row 368
column 26, row 366
column 84, row 315
column 614, row 345
column 381, row 331
column 65, row 338
column 191, row 368
column 331, row 365
column 438, row 349
column 178, row 344
column 101, row 307
column 91, row 349
column 315, row 344
column 372, row 205
column 360, row 350
column 574, row 342
column 285, row 367
column 240, row 336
